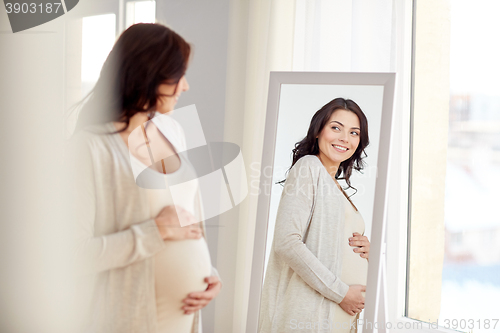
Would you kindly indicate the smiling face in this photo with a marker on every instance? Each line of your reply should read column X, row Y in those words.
column 338, row 139
column 168, row 94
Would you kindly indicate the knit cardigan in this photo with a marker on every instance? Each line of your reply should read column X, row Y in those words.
column 116, row 238
column 302, row 281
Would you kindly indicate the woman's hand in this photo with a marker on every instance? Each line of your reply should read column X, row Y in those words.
column 168, row 222
column 197, row 301
column 362, row 245
column 354, row 301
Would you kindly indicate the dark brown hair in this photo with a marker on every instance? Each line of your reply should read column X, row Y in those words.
column 309, row 145
column 144, row 56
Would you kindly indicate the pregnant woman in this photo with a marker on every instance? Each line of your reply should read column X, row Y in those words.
column 149, row 258
column 317, row 271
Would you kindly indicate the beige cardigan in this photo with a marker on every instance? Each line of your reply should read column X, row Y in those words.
column 302, row 278
column 115, row 236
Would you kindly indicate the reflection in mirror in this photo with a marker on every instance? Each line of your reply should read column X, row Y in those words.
column 318, row 218
column 323, row 221
column 298, row 103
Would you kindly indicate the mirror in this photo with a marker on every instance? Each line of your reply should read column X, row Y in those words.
column 294, row 97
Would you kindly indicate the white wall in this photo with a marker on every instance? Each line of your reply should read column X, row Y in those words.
column 36, row 296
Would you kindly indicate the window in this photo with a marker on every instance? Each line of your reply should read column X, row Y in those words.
column 89, row 42
column 140, row 12
column 454, row 248
column 98, row 37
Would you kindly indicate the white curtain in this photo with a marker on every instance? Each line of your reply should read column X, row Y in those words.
column 260, row 41
column 344, row 36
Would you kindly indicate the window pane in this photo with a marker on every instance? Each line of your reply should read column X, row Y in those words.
column 471, row 267
column 454, row 271
column 140, row 12
column 98, row 37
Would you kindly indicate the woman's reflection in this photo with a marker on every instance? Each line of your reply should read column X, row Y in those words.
column 317, row 271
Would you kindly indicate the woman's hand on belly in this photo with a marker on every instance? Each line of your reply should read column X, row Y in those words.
column 169, row 224
column 198, row 300
column 354, row 301
column 361, row 245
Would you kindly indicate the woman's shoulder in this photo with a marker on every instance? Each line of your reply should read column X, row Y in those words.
column 93, row 138
column 307, row 165
column 308, row 161
column 167, row 122
column 171, row 129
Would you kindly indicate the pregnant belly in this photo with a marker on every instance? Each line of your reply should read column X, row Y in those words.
column 179, row 270
column 354, row 271
column 354, row 268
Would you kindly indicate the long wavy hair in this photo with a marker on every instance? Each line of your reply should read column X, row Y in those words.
column 144, row 56
column 309, row 145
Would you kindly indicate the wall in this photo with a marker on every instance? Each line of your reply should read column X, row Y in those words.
column 36, row 296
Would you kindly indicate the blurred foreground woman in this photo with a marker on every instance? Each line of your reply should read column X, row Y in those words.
column 146, row 257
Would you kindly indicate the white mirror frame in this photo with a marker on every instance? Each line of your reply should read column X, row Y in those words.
column 387, row 80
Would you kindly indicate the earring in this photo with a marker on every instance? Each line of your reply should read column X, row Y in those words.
column 151, row 114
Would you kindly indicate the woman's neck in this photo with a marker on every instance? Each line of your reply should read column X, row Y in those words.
column 135, row 121
column 330, row 166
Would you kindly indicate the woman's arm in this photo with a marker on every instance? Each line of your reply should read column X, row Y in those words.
column 100, row 253
column 294, row 213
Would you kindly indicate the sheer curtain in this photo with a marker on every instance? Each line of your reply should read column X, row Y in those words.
column 298, row 35
column 344, row 36
column 260, row 41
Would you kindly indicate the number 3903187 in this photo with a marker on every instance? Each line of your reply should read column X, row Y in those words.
column 32, row 8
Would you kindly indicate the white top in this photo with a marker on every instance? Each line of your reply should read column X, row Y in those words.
column 117, row 236
column 180, row 268
column 354, row 268
column 303, row 279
